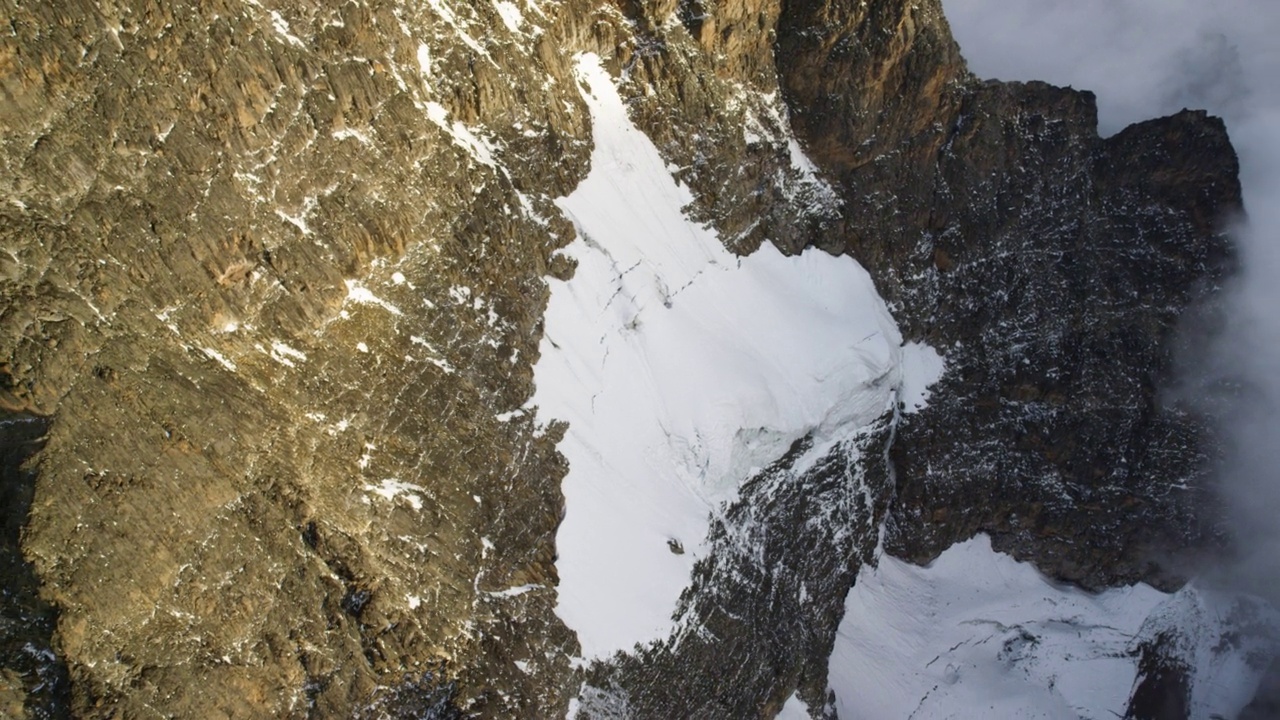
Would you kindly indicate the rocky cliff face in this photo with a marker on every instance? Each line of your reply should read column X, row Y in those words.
column 272, row 279
column 1051, row 264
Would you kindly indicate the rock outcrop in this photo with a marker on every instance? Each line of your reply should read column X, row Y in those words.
column 1051, row 264
column 272, row 291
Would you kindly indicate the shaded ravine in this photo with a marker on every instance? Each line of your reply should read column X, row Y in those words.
column 33, row 679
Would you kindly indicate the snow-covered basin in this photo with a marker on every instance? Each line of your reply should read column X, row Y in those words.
column 682, row 368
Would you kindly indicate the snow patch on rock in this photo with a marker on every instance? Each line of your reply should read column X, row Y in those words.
column 794, row 709
column 361, row 295
column 391, row 488
column 480, row 149
column 922, row 366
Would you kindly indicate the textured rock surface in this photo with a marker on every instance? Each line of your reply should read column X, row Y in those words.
column 189, row 190
column 271, row 275
column 1048, row 264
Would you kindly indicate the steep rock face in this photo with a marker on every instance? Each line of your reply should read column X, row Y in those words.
column 273, row 293
column 1047, row 263
column 871, row 86
column 1062, row 294
column 273, row 272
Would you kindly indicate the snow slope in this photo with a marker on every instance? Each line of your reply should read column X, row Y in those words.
column 977, row 634
column 680, row 368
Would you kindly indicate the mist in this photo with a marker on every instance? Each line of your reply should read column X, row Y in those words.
column 1148, row 58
